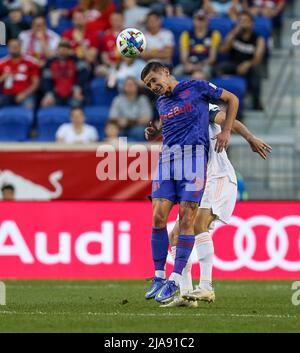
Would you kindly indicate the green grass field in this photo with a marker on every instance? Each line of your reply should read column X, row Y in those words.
column 119, row 306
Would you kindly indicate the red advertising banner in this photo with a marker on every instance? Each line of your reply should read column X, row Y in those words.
column 111, row 240
column 73, row 175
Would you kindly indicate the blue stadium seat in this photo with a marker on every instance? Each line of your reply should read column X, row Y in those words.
column 177, row 25
column 263, row 26
column 101, row 95
column 65, row 4
column 221, row 24
column 234, row 84
column 3, row 51
column 97, row 116
column 15, row 123
column 49, row 120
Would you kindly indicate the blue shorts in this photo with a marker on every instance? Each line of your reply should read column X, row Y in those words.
column 177, row 187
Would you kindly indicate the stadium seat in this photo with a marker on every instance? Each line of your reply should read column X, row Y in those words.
column 221, row 24
column 263, row 26
column 97, row 116
column 15, row 123
column 234, row 84
column 49, row 120
column 101, row 95
column 3, row 51
column 65, row 4
column 177, row 25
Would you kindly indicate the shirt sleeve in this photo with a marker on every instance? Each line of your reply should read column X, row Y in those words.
column 94, row 134
column 145, row 107
column 215, row 39
column 213, row 111
column 168, row 39
column 209, row 91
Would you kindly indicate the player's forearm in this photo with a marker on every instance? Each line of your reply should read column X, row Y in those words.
column 242, row 130
column 233, row 105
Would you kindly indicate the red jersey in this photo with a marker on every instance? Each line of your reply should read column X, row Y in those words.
column 90, row 41
column 108, row 45
column 21, row 71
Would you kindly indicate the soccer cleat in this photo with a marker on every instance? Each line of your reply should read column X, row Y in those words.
column 202, row 294
column 167, row 292
column 180, row 302
column 156, row 285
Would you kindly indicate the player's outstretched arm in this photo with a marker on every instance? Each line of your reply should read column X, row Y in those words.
column 257, row 145
column 233, row 105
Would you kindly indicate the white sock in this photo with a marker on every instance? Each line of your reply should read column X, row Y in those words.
column 186, row 284
column 205, row 253
column 160, row 274
column 176, row 277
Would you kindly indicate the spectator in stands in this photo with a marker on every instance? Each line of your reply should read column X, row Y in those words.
column 84, row 43
column 160, row 41
column 198, row 47
column 131, row 111
column 112, row 131
column 15, row 23
column 39, row 42
column 33, row 7
column 182, row 7
column 97, row 13
column 246, row 50
column 222, row 8
column 134, row 15
column 65, row 78
column 128, row 67
column 109, row 53
column 77, row 131
column 8, row 192
column 267, row 8
column 19, row 77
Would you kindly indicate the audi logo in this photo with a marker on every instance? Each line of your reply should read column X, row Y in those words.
column 245, row 242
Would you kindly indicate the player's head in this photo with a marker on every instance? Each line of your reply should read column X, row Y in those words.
column 77, row 116
column 8, row 192
column 157, row 78
column 246, row 21
column 14, row 48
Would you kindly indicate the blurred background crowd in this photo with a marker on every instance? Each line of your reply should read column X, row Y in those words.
column 62, row 78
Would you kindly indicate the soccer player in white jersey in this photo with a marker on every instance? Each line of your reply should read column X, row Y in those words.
column 217, row 204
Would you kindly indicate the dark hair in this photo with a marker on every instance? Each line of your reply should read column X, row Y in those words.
column 38, row 16
column 152, row 66
column 76, row 107
column 246, row 13
column 7, row 187
column 153, row 13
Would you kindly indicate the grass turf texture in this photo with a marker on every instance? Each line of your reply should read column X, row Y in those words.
column 119, row 306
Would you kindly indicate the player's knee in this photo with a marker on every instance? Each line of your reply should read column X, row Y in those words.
column 159, row 220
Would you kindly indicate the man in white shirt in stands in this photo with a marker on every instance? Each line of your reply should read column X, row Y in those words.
column 77, row 131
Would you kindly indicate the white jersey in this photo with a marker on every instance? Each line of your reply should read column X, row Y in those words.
column 218, row 163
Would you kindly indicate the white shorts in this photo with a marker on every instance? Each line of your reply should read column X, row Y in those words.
column 220, row 195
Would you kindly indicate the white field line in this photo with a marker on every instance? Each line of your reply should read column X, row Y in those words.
column 166, row 314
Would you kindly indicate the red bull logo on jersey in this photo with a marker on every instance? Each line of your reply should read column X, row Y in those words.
column 188, row 107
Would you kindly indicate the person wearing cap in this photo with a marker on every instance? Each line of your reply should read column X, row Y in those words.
column 64, row 78
column 198, row 47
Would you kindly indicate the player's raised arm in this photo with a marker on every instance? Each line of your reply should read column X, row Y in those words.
column 257, row 145
column 233, row 105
